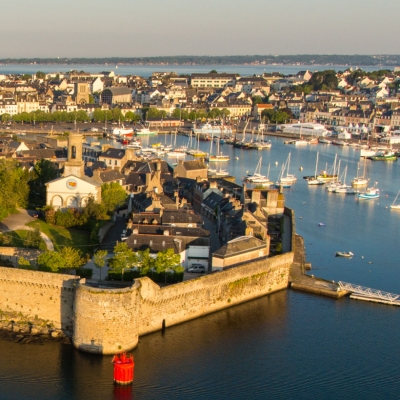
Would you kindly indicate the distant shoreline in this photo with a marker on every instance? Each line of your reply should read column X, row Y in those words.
column 324, row 60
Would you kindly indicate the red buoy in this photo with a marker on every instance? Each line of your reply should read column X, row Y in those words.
column 123, row 368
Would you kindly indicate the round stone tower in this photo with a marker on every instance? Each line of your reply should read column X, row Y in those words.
column 106, row 320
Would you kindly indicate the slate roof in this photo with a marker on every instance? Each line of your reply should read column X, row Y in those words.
column 239, row 245
column 194, row 165
column 113, row 153
column 118, row 91
column 180, row 216
column 212, row 200
column 40, row 154
column 111, row 175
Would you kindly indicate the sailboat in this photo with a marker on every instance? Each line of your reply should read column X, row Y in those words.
column 345, row 189
column 288, row 178
column 395, row 206
column 360, row 180
column 257, row 177
column 316, row 180
column 218, row 157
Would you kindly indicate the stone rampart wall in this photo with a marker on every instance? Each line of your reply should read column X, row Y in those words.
column 38, row 295
column 191, row 299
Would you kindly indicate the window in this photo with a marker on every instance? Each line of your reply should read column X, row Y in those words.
column 73, row 152
column 115, row 162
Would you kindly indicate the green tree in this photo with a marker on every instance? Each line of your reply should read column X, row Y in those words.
column 33, row 238
column 124, row 257
column 145, row 261
column 40, row 75
column 43, row 172
column 213, row 71
column 50, row 261
column 14, row 187
column 156, row 113
column 72, row 257
column 26, row 77
column 99, row 259
column 23, row 263
column 99, row 115
column 167, row 260
column 5, row 117
column 113, row 195
column 256, row 100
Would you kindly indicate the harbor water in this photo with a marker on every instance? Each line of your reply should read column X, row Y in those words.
column 289, row 345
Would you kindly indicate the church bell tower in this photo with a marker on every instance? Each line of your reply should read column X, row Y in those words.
column 75, row 164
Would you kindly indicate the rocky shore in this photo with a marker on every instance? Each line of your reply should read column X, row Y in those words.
column 17, row 329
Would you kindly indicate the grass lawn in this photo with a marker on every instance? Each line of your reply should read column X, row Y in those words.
column 62, row 237
column 18, row 237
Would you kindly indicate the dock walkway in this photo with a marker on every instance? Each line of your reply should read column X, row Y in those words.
column 299, row 280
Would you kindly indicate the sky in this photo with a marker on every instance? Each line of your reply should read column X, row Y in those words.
column 137, row 28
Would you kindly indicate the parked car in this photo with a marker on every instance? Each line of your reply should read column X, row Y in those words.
column 197, row 268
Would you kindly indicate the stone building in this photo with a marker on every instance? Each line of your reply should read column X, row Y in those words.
column 81, row 93
column 116, row 95
column 240, row 249
column 195, row 169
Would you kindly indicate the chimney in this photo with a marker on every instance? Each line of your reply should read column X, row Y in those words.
column 166, row 232
column 213, row 184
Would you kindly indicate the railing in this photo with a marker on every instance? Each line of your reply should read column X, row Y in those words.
column 373, row 293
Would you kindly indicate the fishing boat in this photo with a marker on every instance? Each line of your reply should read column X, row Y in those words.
column 324, row 141
column 347, row 254
column 386, row 155
column 370, row 193
column 121, row 131
column 321, row 224
column 395, row 206
column 145, row 130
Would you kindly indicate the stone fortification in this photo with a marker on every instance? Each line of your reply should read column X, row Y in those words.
column 106, row 320
column 191, row 299
column 111, row 320
column 38, row 295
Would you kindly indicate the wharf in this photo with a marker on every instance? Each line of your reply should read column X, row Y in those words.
column 299, row 280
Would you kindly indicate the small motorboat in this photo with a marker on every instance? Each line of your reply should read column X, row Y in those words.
column 321, row 224
column 344, row 254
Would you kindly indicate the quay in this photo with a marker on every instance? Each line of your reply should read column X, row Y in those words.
column 299, row 280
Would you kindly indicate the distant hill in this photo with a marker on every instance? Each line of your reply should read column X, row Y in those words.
column 299, row 59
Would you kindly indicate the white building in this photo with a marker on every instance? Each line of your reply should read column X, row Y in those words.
column 74, row 188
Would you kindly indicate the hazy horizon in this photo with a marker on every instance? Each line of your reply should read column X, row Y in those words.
column 130, row 28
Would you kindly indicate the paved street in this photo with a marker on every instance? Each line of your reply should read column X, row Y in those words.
column 18, row 221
